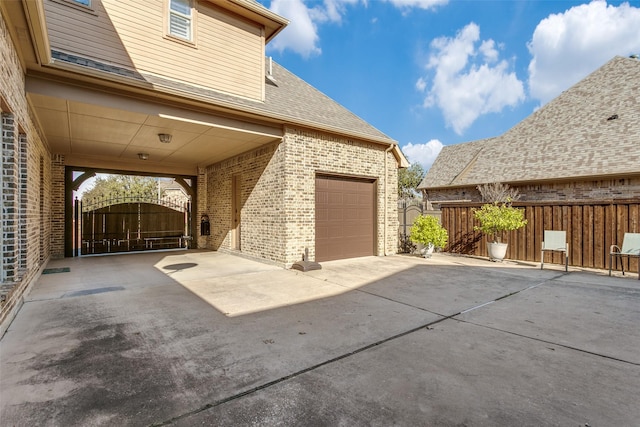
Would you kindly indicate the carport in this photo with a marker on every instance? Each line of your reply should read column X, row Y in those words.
column 96, row 131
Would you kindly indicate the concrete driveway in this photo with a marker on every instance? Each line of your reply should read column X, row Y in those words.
column 206, row 338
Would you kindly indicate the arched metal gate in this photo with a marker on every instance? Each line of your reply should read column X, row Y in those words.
column 128, row 224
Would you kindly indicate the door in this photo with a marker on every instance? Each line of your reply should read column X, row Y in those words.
column 345, row 218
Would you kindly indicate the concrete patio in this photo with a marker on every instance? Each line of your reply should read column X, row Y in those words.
column 204, row 338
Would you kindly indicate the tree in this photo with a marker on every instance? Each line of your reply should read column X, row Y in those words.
column 497, row 192
column 497, row 217
column 408, row 181
column 119, row 186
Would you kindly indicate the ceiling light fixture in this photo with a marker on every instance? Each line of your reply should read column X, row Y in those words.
column 165, row 138
column 143, row 156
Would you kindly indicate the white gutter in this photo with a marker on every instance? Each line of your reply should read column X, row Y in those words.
column 35, row 16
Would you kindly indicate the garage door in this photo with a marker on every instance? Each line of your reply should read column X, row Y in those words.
column 345, row 226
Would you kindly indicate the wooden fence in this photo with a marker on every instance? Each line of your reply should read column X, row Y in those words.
column 591, row 229
column 127, row 227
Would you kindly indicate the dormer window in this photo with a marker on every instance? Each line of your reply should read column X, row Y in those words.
column 180, row 19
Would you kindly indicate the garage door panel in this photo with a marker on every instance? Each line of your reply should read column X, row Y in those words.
column 363, row 199
column 344, row 218
column 336, row 215
column 336, row 198
column 322, row 197
column 322, row 214
column 322, row 232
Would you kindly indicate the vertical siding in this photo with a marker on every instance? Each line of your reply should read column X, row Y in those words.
column 591, row 230
column 227, row 53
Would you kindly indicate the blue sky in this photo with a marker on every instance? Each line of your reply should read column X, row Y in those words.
column 430, row 73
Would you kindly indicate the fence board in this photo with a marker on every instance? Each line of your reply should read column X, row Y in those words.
column 587, row 236
column 591, row 229
column 634, row 227
column 600, row 249
column 576, row 236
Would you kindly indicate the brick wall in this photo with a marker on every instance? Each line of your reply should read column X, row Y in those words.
column 278, row 193
column 25, row 186
column 201, row 207
column 309, row 152
column 596, row 190
column 9, row 223
column 57, row 205
column 260, row 174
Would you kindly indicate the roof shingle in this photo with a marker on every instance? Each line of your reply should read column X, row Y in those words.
column 570, row 137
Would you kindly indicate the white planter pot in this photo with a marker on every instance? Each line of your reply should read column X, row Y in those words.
column 428, row 251
column 496, row 251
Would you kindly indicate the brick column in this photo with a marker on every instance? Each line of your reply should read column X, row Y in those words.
column 23, row 205
column 201, row 208
column 57, row 206
column 9, row 203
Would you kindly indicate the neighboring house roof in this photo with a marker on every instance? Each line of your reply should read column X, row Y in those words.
column 573, row 136
column 171, row 185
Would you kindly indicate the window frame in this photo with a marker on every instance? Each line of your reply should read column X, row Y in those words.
column 170, row 12
column 78, row 5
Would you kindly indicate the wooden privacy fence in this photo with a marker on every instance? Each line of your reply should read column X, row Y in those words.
column 591, row 229
column 132, row 226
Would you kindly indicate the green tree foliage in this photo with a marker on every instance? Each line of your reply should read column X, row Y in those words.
column 121, row 186
column 496, row 217
column 408, row 181
column 427, row 230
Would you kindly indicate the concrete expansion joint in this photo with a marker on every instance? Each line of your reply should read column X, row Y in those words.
column 529, row 337
column 427, row 326
column 569, row 347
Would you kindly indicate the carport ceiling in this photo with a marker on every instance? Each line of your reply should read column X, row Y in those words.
column 97, row 134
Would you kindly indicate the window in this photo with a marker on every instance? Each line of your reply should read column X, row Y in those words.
column 83, row 5
column 180, row 19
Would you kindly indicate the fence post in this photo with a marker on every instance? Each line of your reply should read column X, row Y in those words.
column 404, row 217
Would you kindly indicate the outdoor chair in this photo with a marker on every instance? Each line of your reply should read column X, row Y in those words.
column 555, row 241
column 630, row 248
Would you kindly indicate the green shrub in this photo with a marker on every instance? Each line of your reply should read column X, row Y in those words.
column 495, row 218
column 427, row 229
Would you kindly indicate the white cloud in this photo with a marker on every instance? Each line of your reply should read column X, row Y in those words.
column 331, row 10
column 464, row 89
column 301, row 35
column 568, row 46
column 425, row 154
column 421, row 85
column 489, row 51
column 420, row 4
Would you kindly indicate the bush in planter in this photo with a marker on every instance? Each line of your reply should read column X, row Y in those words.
column 428, row 231
column 495, row 218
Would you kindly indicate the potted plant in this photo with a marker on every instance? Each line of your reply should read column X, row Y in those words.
column 427, row 231
column 495, row 218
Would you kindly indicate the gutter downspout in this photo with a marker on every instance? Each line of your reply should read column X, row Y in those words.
column 386, row 213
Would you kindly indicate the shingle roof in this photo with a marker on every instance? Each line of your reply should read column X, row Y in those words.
column 287, row 98
column 297, row 100
column 570, row 137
